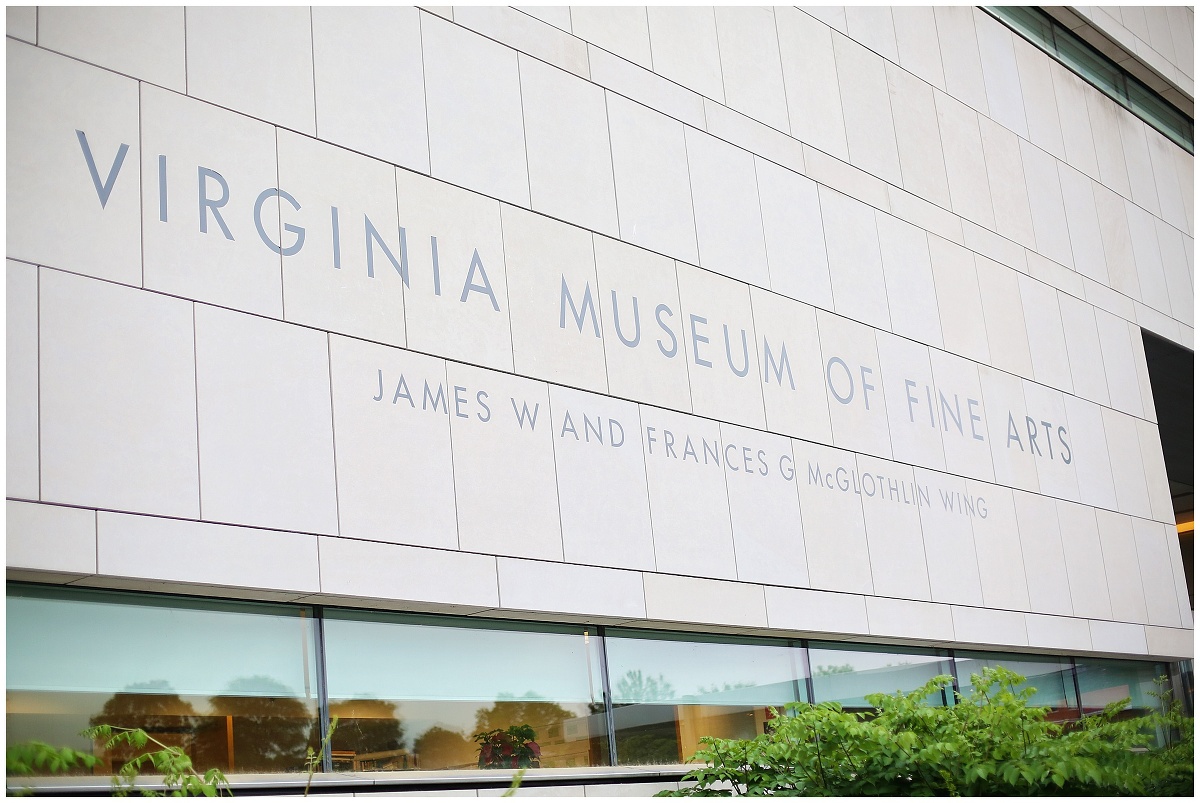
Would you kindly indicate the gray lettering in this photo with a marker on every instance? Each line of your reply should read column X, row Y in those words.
column 1062, row 438
column 481, row 399
column 162, row 188
column 337, row 237
column 689, row 448
column 788, row 473
column 485, row 288
column 971, row 405
column 729, row 463
column 296, row 245
column 955, row 416
column 1049, row 429
column 729, row 355
column 658, row 311
column 403, row 393
column 697, row 339
column 1031, row 432
column 829, row 379
column 523, row 414
column 866, row 386
column 770, row 365
column 433, row 253
column 203, row 174
column 908, row 386
column 1013, row 435
column 104, row 190
column 428, row 397
column 637, row 322
column 371, row 234
column 459, row 401
column 614, row 429
column 578, row 314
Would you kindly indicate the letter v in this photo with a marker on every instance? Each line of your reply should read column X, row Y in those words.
column 105, row 189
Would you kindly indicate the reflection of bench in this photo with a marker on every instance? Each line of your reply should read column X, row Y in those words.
column 181, row 736
column 359, row 762
column 343, row 760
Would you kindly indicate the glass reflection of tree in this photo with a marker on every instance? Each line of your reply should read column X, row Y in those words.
column 704, row 691
column 270, row 726
column 151, row 706
column 649, row 747
column 439, row 748
column 155, row 708
column 535, row 713
column 832, row 669
column 635, row 685
column 548, row 721
column 650, row 742
column 367, row 727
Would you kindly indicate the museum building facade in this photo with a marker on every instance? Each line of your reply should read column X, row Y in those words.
column 620, row 373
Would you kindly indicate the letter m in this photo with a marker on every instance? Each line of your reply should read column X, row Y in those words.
column 587, row 308
column 769, row 366
column 429, row 399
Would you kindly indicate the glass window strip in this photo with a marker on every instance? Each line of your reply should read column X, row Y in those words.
column 799, row 647
column 322, row 686
column 1097, row 69
column 609, row 722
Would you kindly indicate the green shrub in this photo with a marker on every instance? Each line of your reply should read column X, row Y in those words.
column 513, row 748
column 991, row 743
column 179, row 777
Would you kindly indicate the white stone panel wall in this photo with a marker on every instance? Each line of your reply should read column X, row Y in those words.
column 201, row 235
column 602, row 481
column 473, row 97
column 358, row 55
column 605, row 201
column 257, row 61
column 764, row 507
column 504, row 455
column 567, row 144
column 117, row 397
column 830, row 491
column 68, row 216
column 555, row 334
column 350, row 224
column 689, row 499
column 395, row 470
column 264, row 421
column 720, row 347
column 793, row 390
column 22, row 474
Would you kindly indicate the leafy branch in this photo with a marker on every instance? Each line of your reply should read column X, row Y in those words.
column 179, row 776
column 32, row 758
column 991, row 742
column 313, row 759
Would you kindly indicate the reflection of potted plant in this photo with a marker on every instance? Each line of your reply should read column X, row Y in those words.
column 514, row 748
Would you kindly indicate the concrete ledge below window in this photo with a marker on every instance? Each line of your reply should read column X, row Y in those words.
column 569, row 781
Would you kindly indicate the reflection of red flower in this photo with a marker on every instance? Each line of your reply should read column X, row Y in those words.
column 512, row 748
